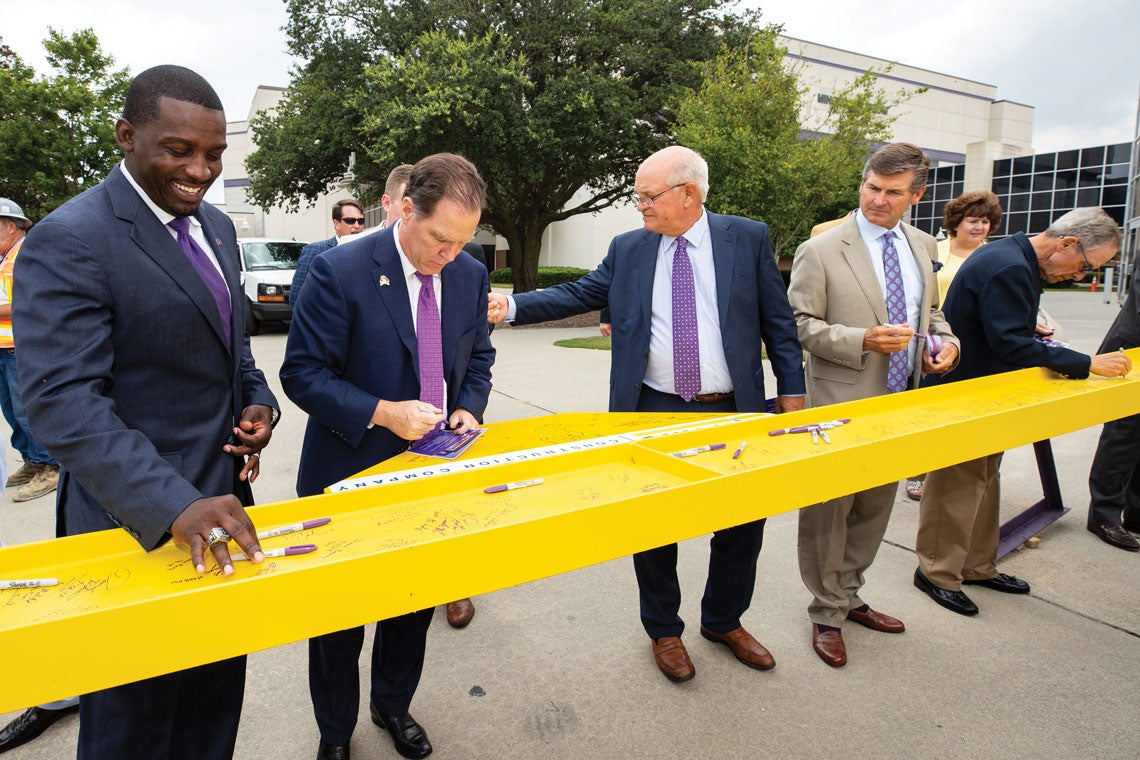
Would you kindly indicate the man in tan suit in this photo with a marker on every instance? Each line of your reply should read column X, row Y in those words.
column 864, row 297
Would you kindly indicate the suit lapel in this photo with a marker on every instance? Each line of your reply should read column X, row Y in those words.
column 154, row 240
column 228, row 261
column 926, row 272
column 724, row 258
column 646, row 267
column 858, row 259
column 392, row 288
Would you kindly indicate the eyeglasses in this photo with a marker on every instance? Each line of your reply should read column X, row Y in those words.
column 1088, row 267
column 647, row 201
column 352, row 219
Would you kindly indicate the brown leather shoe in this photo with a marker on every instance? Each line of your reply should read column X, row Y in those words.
column 672, row 659
column 829, row 646
column 876, row 621
column 459, row 613
column 745, row 648
column 1115, row 535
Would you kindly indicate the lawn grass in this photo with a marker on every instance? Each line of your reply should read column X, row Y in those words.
column 598, row 342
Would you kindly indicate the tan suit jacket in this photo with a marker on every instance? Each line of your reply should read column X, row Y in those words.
column 836, row 298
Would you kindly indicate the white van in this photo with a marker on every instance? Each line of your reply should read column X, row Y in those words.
column 267, row 267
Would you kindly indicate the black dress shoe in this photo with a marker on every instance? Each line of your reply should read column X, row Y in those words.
column 1007, row 584
column 407, row 735
column 1115, row 535
column 954, row 601
column 332, row 751
column 30, row 724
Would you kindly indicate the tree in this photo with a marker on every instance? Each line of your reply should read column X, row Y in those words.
column 57, row 132
column 745, row 121
column 555, row 101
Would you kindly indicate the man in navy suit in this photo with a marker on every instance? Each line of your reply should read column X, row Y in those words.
column 347, row 219
column 354, row 364
column 730, row 280
column 992, row 308
column 138, row 377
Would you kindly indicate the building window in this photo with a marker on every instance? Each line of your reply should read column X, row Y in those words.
column 823, row 98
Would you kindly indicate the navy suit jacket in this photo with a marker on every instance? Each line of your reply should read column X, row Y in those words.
column 304, row 263
column 751, row 301
column 353, row 342
column 126, row 374
column 992, row 308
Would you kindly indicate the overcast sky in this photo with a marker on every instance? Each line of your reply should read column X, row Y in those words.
column 1077, row 63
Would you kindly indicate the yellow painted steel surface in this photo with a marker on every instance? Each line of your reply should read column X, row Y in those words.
column 120, row 614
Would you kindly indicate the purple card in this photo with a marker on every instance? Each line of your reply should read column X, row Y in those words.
column 445, row 444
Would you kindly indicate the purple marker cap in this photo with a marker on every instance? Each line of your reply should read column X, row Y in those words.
column 717, row 446
column 495, row 489
column 299, row 549
column 315, row 524
column 934, row 343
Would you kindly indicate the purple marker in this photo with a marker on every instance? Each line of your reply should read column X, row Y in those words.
column 288, row 551
column 295, row 527
column 699, row 449
column 512, row 486
column 799, row 429
column 934, row 343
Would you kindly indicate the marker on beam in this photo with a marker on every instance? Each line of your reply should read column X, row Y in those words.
column 699, row 449
column 739, row 450
column 284, row 529
column 30, row 583
column 512, row 486
column 288, row 551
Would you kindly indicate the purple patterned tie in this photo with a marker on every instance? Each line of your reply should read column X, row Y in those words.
column 896, row 310
column 686, row 344
column 205, row 268
column 430, row 344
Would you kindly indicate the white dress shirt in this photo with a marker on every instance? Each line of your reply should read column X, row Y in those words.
column 913, row 281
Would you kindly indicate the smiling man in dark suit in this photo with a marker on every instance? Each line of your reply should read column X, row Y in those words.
column 389, row 340
column 691, row 298
column 138, row 377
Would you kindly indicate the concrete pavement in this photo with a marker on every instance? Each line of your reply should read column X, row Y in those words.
column 560, row 668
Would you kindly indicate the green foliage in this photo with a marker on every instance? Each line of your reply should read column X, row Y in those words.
column 57, row 132
column 555, row 101
column 745, row 121
column 546, row 276
column 596, row 342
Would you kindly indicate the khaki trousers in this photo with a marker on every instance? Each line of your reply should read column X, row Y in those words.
column 838, row 541
column 958, row 523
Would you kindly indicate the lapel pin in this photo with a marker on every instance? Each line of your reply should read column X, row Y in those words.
column 384, row 282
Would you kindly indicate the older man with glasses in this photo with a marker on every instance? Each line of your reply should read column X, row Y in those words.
column 992, row 307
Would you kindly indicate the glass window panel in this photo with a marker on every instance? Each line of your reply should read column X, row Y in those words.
column 959, row 173
column 1043, row 181
column 1064, row 200
column 1116, row 173
column 1092, row 156
column 942, row 191
column 1044, row 162
column 1088, row 197
column 1039, row 222
column 939, row 210
column 1019, row 202
column 930, row 176
column 925, row 209
column 1088, row 178
column 1000, row 186
column 958, row 189
column 1118, row 153
column 1117, row 213
column 944, row 174
column 1114, row 195
column 1067, row 159
column 1018, row 222
column 1065, row 180
column 1002, row 167
column 1021, row 183
column 1023, row 165
column 1042, row 201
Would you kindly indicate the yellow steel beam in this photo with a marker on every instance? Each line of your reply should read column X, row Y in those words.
column 120, row 614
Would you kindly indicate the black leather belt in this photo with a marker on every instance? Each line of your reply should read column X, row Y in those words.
column 711, row 398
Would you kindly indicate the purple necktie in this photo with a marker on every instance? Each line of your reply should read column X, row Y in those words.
column 205, row 268
column 686, row 345
column 897, row 370
column 430, row 344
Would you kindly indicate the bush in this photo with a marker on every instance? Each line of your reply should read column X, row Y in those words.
column 547, row 276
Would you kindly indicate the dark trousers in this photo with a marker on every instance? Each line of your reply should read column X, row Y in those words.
column 732, row 562
column 334, row 672
column 189, row 715
column 1114, row 478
